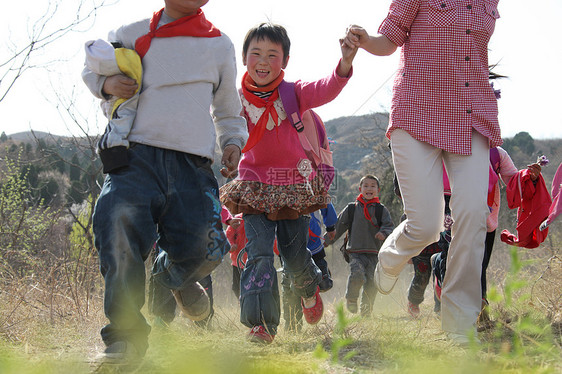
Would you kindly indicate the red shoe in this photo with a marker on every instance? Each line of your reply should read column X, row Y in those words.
column 313, row 314
column 437, row 289
column 258, row 334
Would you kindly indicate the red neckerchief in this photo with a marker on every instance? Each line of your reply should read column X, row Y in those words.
column 195, row 25
column 249, row 86
column 366, row 204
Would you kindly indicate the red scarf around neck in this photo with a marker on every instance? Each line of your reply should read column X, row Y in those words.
column 366, row 203
column 195, row 25
column 248, row 87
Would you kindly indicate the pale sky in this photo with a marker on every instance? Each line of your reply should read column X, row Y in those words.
column 524, row 44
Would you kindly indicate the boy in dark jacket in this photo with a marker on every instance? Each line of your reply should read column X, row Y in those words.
column 368, row 223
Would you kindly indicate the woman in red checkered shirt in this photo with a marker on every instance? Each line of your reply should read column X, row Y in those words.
column 443, row 110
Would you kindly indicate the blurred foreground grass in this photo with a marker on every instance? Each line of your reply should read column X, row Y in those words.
column 389, row 342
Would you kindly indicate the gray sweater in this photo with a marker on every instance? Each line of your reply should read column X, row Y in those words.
column 188, row 96
column 363, row 232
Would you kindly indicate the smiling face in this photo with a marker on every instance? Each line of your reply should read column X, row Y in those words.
column 180, row 8
column 264, row 61
column 369, row 188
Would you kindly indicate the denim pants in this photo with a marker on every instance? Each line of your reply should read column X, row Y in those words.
column 292, row 309
column 165, row 196
column 362, row 275
column 259, row 291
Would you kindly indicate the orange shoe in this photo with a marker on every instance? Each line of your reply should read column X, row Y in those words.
column 313, row 314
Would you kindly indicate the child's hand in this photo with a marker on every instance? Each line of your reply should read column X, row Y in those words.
column 348, row 54
column 355, row 36
column 120, row 85
column 230, row 159
column 234, row 222
column 535, row 170
column 327, row 239
column 380, row 236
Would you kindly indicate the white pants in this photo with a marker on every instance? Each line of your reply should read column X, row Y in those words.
column 419, row 168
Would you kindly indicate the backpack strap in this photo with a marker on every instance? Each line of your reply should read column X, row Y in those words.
column 350, row 215
column 378, row 214
column 290, row 104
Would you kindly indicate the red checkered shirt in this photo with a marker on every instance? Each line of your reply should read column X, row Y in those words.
column 441, row 89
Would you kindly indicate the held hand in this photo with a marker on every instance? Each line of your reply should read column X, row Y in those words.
column 348, row 54
column 380, row 236
column 120, row 85
column 355, row 36
column 230, row 159
column 235, row 223
column 331, row 235
column 535, row 170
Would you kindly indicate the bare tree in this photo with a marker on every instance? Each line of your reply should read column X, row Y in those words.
column 42, row 31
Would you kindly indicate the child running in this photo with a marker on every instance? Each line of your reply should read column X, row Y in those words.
column 276, row 188
column 368, row 223
column 160, row 186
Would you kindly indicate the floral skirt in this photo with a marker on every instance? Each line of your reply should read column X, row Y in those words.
column 276, row 201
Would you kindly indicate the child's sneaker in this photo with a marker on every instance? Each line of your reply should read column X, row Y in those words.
column 258, row 334
column 313, row 314
column 413, row 310
column 352, row 306
column 120, row 356
column 193, row 301
column 326, row 284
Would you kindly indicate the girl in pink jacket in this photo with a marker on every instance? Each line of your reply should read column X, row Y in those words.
column 276, row 187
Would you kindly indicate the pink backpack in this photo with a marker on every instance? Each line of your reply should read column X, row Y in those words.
column 312, row 134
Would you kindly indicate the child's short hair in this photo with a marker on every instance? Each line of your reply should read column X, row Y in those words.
column 272, row 32
column 370, row 176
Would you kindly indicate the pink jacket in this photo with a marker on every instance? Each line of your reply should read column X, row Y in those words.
column 275, row 158
column 556, row 206
column 507, row 170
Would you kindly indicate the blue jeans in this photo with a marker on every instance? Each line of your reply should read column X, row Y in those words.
column 259, row 291
column 165, row 196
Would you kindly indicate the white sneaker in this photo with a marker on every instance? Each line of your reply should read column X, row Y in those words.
column 385, row 282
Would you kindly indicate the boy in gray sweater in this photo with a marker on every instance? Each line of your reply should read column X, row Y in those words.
column 367, row 223
column 160, row 186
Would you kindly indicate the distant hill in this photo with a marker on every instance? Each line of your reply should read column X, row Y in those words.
column 30, row 136
column 354, row 137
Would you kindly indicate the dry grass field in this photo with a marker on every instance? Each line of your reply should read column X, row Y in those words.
column 48, row 329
